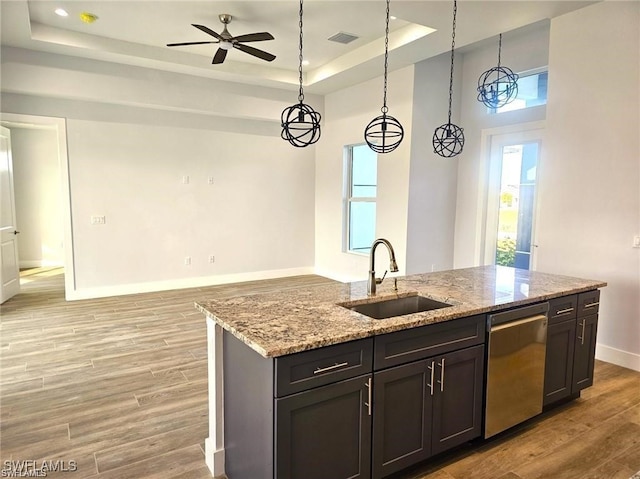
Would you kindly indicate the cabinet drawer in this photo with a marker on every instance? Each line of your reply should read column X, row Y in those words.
column 418, row 343
column 589, row 302
column 561, row 309
column 317, row 367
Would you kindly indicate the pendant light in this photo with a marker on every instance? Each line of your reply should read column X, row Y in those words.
column 384, row 133
column 448, row 139
column 498, row 85
column 300, row 123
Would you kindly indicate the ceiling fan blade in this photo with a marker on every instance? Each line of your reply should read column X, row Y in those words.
column 208, row 31
column 188, row 43
column 255, row 52
column 219, row 57
column 254, row 37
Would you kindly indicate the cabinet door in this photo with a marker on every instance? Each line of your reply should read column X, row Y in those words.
column 585, row 351
column 558, row 373
column 325, row 432
column 402, row 405
column 457, row 403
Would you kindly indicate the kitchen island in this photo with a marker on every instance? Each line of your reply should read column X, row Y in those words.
column 262, row 346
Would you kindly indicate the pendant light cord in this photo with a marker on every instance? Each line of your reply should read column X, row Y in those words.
column 453, row 45
column 384, row 108
column 301, row 92
column 499, row 49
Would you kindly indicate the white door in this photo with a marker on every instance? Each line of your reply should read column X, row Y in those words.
column 9, row 271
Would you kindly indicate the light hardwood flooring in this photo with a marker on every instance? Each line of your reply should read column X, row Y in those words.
column 119, row 386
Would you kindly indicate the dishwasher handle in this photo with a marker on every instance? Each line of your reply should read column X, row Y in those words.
column 516, row 314
column 532, row 319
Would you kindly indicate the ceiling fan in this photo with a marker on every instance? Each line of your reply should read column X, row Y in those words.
column 227, row 41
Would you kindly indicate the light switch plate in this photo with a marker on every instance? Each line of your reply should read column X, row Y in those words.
column 636, row 241
column 98, row 220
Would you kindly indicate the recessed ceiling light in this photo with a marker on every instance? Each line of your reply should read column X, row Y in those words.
column 61, row 12
column 393, row 18
column 305, row 62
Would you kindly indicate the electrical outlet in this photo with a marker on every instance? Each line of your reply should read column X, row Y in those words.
column 636, row 241
column 98, row 220
column 187, row 260
column 210, row 180
column 185, row 180
column 212, row 259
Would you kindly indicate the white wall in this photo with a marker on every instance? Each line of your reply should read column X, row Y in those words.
column 522, row 50
column 347, row 113
column 432, row 183
column 38, row 196
column 590, row 184
column 132, row 135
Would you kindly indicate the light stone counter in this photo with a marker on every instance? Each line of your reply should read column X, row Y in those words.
column 275, row 324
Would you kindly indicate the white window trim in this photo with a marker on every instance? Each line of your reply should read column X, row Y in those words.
column 348, row 199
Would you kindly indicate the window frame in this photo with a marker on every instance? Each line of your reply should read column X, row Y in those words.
column 349, row 199
column 521, row 75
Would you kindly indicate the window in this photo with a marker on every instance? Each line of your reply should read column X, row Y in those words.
column 532, row 91
column 360, row 205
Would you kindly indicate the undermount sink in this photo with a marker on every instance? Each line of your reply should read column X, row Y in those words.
column 390, row 308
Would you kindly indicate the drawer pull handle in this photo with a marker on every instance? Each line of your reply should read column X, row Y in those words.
column 368, row 403
column 591, row 305
column 331, row 368
column 564, row 311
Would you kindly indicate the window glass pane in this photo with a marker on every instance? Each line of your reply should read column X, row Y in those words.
column 532, row 91
column 362, row 225
column 364, row 172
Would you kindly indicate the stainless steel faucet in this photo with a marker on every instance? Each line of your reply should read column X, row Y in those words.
column 393, row 266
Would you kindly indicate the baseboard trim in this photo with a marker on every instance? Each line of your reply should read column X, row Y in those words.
column 151, row 287
column 38, row 263
column 617, row 356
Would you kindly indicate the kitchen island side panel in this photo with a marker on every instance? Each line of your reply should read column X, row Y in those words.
column 248, row 411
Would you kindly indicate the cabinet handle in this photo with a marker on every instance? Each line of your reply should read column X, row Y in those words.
column 431, row 368
column 330, row 368
column 591, row 305
column 581, row 338
column 368, row 403
column 564, row 311
column 441, row 375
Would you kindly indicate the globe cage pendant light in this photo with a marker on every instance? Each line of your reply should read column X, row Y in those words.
column 384, row 133
column 448, row 139
column 498, row 85
column 300, row 123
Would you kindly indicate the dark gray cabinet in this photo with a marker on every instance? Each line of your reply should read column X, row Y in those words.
column 571, row 343
column 428, row 405
column 324, row 432
column 402, row 417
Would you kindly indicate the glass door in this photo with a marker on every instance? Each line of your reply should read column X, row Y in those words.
column 511, row 200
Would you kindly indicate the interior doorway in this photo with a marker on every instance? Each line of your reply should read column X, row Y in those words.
column 511, row 198
column 57, row 230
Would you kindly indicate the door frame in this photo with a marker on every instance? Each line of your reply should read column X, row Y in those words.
column 525, row 132
column 15, row 120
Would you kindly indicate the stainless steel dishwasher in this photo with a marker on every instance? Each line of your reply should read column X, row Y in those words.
column 515, row 367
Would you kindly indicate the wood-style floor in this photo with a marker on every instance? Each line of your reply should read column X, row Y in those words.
column 119, row 387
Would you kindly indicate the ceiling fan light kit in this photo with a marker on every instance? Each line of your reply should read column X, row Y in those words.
column 300, row 123
column 448, row 139
column 498, row 85
column 226, row 41
column 384, row 133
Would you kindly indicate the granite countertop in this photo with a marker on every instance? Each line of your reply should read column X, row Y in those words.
column 286, row 322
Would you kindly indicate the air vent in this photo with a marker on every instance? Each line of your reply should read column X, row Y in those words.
column 342, row 37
